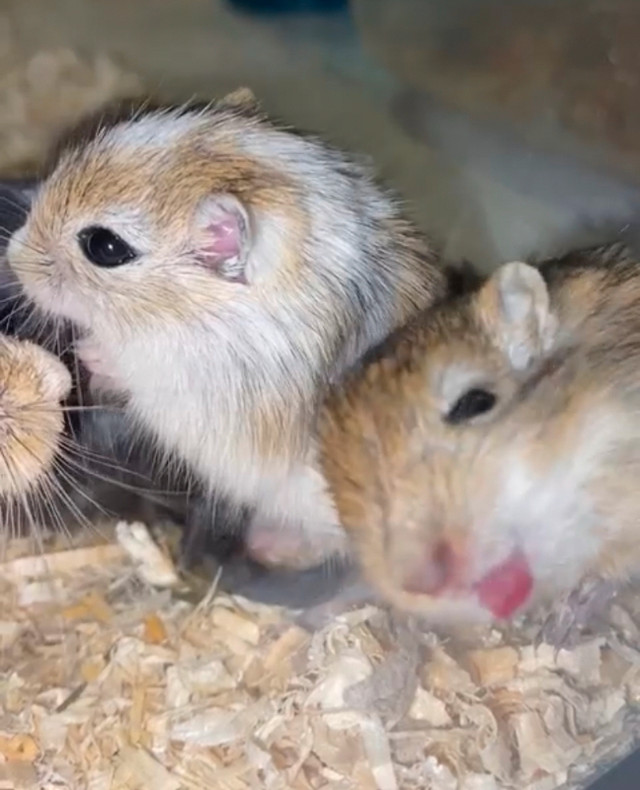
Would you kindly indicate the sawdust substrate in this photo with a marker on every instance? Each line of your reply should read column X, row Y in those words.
column 116, row 672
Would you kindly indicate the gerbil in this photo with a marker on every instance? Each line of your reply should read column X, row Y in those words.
column 107, row 466
column 32, row 385
column 488, row 458
column 226, row 272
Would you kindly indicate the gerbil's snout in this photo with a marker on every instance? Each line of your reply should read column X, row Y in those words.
column 446, row 570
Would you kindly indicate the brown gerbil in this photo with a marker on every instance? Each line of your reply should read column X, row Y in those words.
column 489, row 457
column 226, row 272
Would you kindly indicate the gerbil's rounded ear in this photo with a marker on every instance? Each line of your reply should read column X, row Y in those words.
column 515, row 304
column 241, row 98
column 223, row 237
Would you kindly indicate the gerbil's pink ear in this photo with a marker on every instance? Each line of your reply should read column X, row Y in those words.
column 222, row 240
column 517, row 308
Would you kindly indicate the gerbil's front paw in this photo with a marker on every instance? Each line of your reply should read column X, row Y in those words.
column 578, row 611
column 286, row 545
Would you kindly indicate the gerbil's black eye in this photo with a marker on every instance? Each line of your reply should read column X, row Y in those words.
column 104, row 248
column 471, row 404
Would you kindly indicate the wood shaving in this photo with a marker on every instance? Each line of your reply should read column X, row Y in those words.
column 231, row 694
column 152, row 565
column 495, row 666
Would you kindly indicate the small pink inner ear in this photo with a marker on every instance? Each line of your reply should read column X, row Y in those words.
column 223, row 239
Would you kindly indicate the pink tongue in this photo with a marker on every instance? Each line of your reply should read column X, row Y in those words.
column 506, row 587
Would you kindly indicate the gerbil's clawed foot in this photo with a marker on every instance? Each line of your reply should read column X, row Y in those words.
column 578, row 611
column 286, row 544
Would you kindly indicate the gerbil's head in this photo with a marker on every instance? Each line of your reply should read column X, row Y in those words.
column 159, row 217
column 32, row 384
column 454, row 456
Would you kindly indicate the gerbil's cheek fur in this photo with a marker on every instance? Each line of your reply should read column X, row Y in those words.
column 44, row 280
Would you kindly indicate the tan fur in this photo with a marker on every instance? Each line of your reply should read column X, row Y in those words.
column 552, row 470
column 188, row 175
column 32, row 383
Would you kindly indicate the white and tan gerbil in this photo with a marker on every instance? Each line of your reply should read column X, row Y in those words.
column 489, row 457
column 33, row 383
column 226, row 271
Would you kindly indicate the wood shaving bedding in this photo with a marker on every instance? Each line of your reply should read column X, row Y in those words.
column 109, row 682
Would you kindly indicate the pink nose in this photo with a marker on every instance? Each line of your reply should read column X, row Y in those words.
column 436, row 571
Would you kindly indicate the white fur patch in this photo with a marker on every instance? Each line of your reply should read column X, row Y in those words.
column 210, row 434
column 551, row 513
column 156, row 130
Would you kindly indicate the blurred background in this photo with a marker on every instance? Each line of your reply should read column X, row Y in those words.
column 510, row 128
